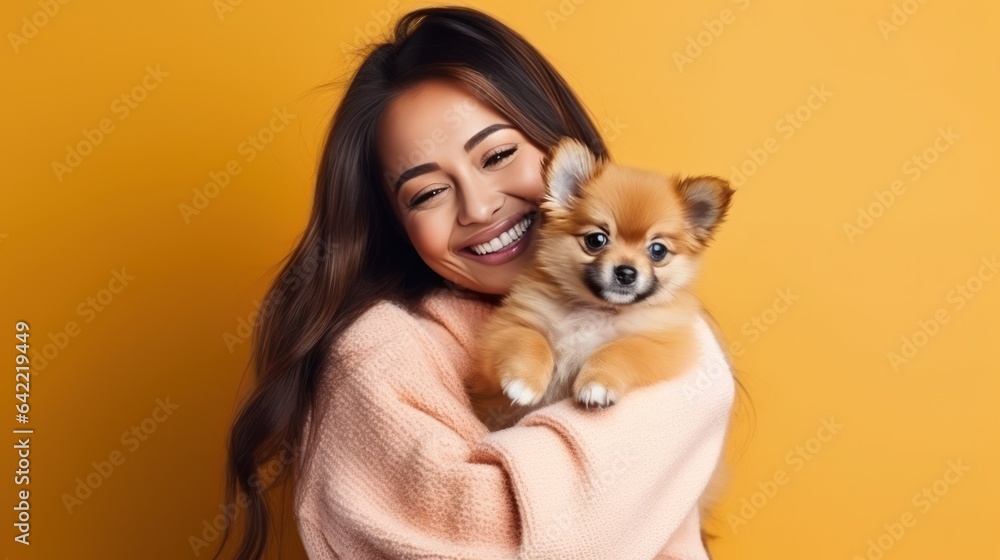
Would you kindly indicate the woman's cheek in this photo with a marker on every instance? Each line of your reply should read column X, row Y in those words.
column 429, row 234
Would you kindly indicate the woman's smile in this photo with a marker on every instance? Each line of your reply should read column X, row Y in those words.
column 505, row 246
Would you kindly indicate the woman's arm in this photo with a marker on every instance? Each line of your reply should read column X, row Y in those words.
column 618, row 481
column 404, row 469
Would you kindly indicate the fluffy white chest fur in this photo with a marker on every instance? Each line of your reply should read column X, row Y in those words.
column 574, row 337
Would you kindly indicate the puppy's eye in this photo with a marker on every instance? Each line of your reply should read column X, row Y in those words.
column 657, row 251
column 595, row 240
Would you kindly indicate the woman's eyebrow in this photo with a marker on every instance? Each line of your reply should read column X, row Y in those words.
column 413, row 172
column 479, row 136
column 428, row 167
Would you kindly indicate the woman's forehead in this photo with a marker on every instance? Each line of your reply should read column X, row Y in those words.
column 433, row 110
column 431, row 119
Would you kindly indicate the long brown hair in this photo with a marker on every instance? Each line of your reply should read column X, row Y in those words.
column 353, row 252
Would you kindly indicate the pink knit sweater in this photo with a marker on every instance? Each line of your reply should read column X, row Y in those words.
column 400, row 467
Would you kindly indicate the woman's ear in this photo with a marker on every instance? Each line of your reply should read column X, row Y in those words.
column 567, row 167
column 706, row 202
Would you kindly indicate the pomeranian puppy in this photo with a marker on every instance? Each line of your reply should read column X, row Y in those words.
column 604, row 306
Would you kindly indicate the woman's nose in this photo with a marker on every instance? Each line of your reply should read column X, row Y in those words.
column 477, row 203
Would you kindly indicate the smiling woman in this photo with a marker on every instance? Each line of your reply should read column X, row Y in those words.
column 431, row 178
column 467, row 203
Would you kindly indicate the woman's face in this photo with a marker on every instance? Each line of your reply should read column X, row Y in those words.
column 463, row 182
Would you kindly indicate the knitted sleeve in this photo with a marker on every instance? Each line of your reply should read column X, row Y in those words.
column 402, row 468
column 314, row 541
column 618, row 482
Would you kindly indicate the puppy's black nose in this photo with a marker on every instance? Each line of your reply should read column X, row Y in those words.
column 625, row 274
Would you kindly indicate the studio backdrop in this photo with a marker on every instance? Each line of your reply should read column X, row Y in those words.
column 159, row 162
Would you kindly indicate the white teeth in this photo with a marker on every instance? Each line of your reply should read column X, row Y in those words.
column 505, row 238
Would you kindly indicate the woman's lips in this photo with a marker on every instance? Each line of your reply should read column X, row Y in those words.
column 509, row 252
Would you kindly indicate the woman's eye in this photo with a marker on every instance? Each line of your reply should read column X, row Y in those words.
column 497, row 157
column 427, row 195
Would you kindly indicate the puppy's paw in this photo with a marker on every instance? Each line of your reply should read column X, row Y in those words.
column 595, row 394
column 520, row 392
column 597, row 387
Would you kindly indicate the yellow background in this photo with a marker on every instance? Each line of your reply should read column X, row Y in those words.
column 825, row 356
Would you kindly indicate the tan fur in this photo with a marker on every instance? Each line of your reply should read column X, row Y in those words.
column 571, row 327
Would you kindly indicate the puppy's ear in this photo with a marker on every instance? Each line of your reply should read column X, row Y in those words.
column 568, row 166
column 706, row 202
